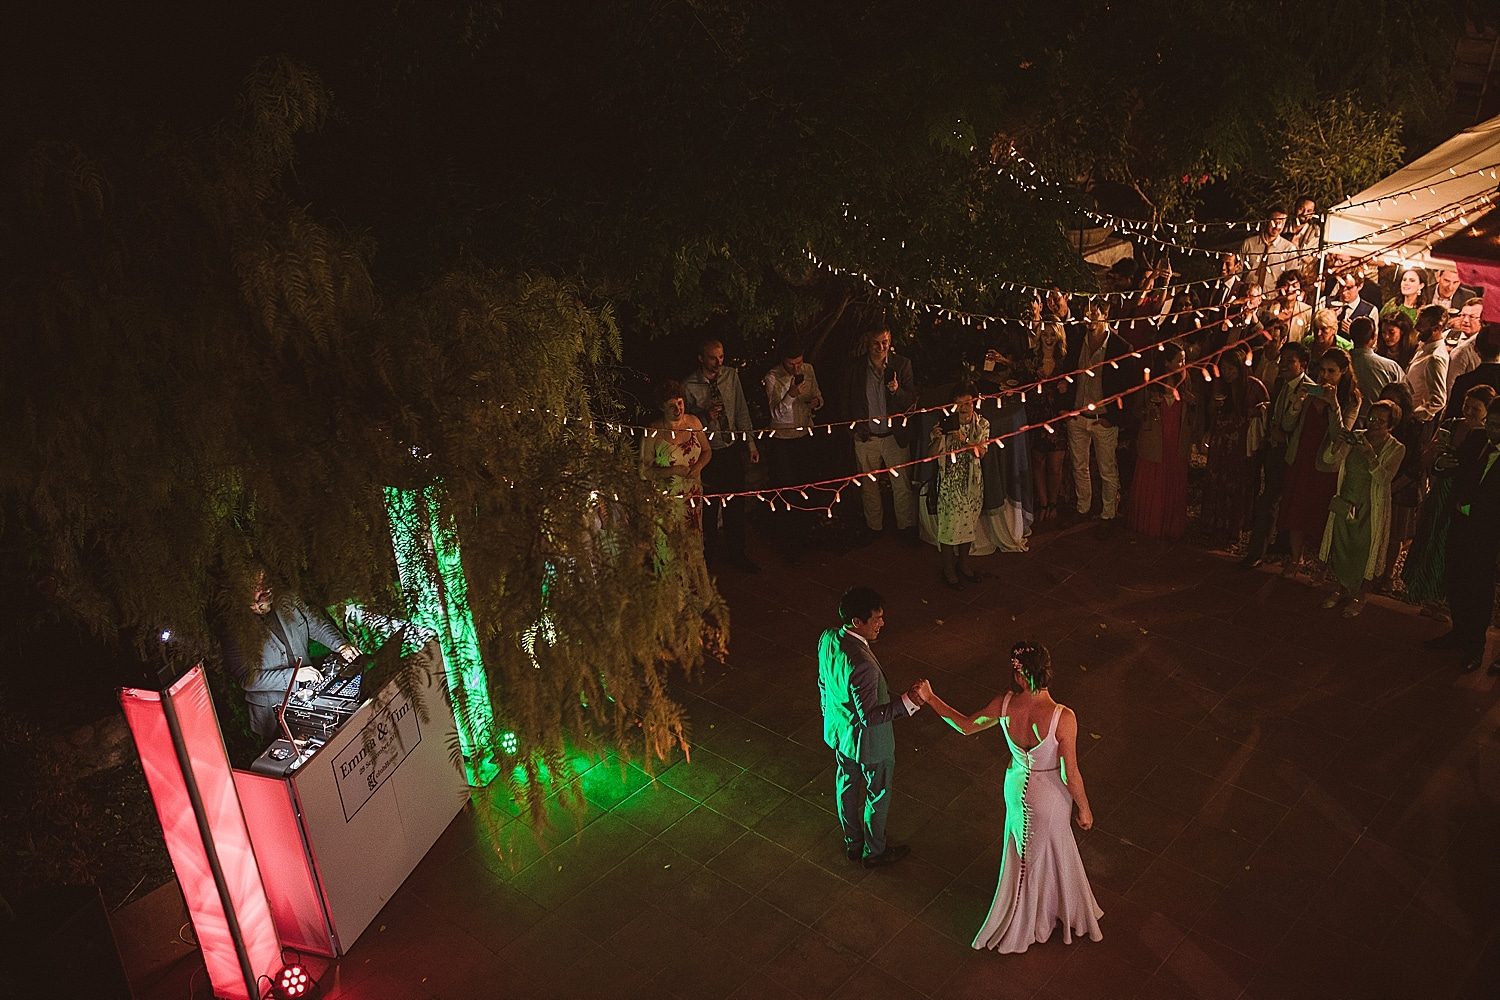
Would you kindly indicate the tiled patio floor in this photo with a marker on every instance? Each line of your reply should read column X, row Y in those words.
column 1287, row 804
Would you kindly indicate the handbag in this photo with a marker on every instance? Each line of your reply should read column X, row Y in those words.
column 1339, row 506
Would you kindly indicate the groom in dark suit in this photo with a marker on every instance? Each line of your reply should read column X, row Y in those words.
column 857, row 714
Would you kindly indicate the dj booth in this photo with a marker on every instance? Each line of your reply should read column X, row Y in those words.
column 340, row 818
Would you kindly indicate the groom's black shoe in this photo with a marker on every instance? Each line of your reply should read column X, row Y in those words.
column 854, row 851
column 889, row 856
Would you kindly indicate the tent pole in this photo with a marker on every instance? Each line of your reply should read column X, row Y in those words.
column 1322, row 257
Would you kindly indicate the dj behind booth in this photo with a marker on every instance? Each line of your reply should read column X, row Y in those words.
column 281, row 660
column 357, row 780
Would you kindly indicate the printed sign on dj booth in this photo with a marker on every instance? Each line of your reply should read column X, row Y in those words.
column 364, row 763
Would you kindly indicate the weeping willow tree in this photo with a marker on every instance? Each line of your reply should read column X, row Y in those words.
column 206, row 381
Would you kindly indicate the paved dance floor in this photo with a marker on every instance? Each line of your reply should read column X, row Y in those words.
column 1288, row 804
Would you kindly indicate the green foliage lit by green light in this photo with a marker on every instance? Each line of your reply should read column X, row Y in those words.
column 432, row 578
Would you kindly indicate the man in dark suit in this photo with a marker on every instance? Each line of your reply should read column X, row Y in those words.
column 857, row 714
column 878, row 389
column 1099, row 428
column 1349, row 305
column 1474, row 545
column 1487, row 348
column 279, row 640
column 1447, row 292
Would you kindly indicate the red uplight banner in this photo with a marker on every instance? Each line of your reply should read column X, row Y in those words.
column 193, row 790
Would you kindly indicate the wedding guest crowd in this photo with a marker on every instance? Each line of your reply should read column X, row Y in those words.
column 1344, row 440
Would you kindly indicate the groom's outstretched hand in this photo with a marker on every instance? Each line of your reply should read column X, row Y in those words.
column 915, row 693
column 924, row 690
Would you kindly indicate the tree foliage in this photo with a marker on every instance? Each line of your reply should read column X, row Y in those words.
column 214, row 382
column 428, row 219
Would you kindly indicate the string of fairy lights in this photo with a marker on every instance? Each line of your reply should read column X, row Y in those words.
column 1041, row 181
column 1454, row 211
column 831, row 491
column 1206, row 365
column 1019, row 390
column 1021, row 286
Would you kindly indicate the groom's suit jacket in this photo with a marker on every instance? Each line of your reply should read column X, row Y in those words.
column 857, row 705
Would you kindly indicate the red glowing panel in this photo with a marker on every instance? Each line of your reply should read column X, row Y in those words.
column 208, row 767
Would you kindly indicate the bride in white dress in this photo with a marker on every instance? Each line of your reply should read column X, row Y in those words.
column 1042, row 881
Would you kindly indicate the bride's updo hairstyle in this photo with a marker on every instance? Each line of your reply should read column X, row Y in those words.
column 1034, row 663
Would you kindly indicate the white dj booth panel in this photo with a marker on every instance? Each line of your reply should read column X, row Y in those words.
column 363, row 811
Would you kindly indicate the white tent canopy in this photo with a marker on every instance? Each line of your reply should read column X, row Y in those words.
column 1433, row 196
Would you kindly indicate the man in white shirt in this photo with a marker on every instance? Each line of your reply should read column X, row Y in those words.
column 713, row 394
column 1427, row 375
column 792, row 397
column 1268, row 253
column 1304, row 232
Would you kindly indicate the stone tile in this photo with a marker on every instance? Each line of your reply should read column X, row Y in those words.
column 1244, row 813
column 758, row 931
column 872, row 984
column 922, row 958
column 1211, row 849
column 910, row 886
column 701, row 777
column 1110, row 861
column 654, row 808
column 1167, row 888
column 1144, row 824
column 752, row 861
column 702, row 834
column 804, row 891
column 747, row 797
column 859, row 922
column 1201, row 967
column 959, row 910
column 795, row 824
column 813, row 966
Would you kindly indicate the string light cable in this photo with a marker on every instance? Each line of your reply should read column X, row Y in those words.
column 1022, row 390
column 1206, row 366
column 1449, row 212
column 1193, row 226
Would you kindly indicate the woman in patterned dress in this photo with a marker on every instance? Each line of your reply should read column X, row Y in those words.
column 675, row 449
column 961, row 438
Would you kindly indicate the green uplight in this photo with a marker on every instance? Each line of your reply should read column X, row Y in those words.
column 509, row 744
column 432, row 576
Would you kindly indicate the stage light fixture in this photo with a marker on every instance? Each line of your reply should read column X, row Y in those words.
column 293, row 982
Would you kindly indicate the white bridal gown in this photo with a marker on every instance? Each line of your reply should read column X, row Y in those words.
column 1042, row 882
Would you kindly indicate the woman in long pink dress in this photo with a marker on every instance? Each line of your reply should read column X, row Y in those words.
column 1042, row 882
column 1157, row 505
column 1326, row 410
